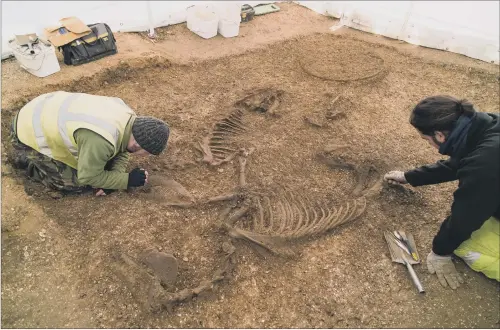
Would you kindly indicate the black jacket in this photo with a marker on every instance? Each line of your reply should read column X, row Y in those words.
column 477, row 168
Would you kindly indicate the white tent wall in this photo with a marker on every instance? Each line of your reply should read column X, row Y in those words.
column 466, row 27
column 471, row 28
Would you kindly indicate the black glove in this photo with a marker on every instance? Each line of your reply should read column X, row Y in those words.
column 136, row 178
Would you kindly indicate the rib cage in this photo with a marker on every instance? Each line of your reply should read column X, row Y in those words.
column 273, row 224
column 218, row 147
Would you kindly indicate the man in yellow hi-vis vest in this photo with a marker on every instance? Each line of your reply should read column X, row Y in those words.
column 72, row 142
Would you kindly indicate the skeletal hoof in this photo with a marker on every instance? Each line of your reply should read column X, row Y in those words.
column 163, row 265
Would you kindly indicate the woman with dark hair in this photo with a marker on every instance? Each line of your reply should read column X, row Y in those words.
column 472, row 140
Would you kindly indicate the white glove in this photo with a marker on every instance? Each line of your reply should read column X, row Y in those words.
column 445, row 270
column 395, row 177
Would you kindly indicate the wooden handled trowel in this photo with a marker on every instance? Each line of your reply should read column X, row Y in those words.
column 404, row 251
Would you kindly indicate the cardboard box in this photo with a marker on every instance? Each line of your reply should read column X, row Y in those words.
column 69, row 29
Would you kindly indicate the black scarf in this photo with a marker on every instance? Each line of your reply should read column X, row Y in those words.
column 458, row 136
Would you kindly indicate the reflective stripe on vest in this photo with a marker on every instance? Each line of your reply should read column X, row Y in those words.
column 37, row 126
column 48, row 123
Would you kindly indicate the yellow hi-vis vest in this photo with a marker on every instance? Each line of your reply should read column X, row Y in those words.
column 48, row 123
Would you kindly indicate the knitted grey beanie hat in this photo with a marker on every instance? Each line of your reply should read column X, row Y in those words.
column 151, row 134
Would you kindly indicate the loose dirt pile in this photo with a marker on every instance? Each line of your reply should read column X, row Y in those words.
column 343, row 279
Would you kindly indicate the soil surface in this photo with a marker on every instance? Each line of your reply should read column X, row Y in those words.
column 59, row 256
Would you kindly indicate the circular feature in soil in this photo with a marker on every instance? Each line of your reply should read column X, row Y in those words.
column 342, row 64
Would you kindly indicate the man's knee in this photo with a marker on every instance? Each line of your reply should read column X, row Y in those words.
column 482, row 251
column 53, row 174
column 483, row 263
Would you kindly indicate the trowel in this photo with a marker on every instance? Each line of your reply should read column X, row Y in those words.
column 404, row 251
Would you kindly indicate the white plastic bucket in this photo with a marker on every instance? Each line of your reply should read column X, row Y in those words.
column 229, row 18
column 202, row 20
column 229, row 29
column 41, row 64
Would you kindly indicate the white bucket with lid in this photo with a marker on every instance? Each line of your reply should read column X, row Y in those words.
column 228, row 29
column 202, row 20
column 229, row 18
column 40, row 60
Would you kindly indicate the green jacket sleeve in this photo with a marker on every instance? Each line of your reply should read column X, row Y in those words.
column 119, row 163
column 94, row 152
